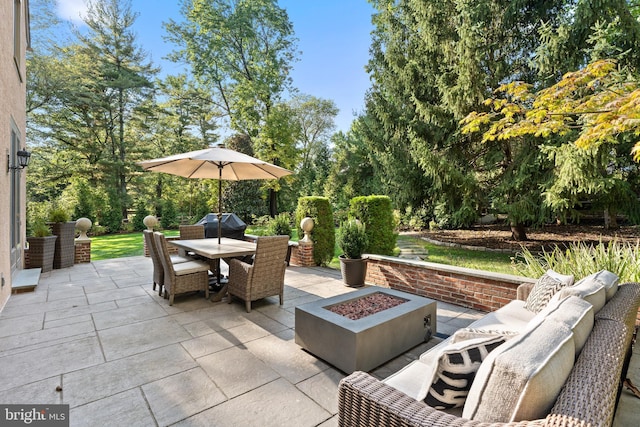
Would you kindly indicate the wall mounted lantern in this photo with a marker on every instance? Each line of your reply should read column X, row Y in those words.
column 23, row 160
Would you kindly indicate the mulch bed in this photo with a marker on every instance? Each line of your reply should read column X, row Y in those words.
column 366, row 305
column 547, row 237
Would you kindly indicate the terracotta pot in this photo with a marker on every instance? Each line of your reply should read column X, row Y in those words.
column 353, row 271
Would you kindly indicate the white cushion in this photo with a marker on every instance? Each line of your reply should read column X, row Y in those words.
column 510, row 317
column 574, row 312
column 190, row 267
column 454, row 370
column 609, row 280
column 544, row 289
column 590, row 289
column 521, row 379
column 413, row 380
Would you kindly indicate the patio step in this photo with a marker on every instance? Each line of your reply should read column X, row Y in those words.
column 25, row 280
column 412, row 251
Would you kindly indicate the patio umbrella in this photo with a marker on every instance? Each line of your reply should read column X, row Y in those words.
column 216, row 163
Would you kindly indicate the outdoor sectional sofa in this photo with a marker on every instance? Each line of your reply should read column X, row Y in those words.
column 549, row 358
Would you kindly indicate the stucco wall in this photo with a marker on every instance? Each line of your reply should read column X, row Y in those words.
column 12, row 106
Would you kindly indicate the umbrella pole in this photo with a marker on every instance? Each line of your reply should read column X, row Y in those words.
column 219, row 202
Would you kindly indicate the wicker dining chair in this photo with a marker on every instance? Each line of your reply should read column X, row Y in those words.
column 158, row 269
column 188, row 232
column 183, row 277
column 263, row 278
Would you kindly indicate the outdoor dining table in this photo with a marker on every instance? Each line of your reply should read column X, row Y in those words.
column 211, row 249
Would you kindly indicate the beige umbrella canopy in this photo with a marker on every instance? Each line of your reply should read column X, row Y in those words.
column 215, row 163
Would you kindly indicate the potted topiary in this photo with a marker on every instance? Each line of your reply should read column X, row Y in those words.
column 62, row 227
column 42, row 246
column 352, row 240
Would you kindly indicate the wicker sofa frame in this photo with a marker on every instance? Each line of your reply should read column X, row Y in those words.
column 588, row 397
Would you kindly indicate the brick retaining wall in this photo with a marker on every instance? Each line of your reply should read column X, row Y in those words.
column 477, row 289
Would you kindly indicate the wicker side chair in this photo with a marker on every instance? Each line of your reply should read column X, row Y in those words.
column 188, row 232
column 263, row 278
column 158, row 269
column 183, row 277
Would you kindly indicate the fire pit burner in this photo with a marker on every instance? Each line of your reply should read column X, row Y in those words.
column 366, row 305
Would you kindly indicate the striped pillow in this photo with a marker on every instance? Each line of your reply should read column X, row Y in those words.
column 542, row 292
column 456, row 368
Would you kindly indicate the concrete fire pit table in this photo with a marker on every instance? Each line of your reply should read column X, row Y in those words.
column 367, row 342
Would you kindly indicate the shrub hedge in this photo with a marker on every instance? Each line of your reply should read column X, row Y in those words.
column 376, row 213
column 323, row 233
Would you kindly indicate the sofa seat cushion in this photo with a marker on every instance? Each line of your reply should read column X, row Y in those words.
column 511, row 317
column 521, row 379
column 454, row 370
column 413, row 379
column 590, row 289
column 545, row 288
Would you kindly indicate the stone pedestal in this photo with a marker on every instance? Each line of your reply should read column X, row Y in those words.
column 83, row 251
column 302, row 254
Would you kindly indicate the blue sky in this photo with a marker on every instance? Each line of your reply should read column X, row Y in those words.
column 333, row 37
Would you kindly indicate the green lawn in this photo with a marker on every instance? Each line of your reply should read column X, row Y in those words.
column 120, row 245
column 131, row 244
column 482, row 260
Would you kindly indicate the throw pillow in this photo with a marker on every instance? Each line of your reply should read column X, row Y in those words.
column 542, row 292
column 465, row 334
column 522, row 379
column 456, row 368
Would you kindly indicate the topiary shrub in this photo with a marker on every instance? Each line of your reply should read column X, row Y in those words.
column 352, row 239
column 323, row 234
column 376, row 214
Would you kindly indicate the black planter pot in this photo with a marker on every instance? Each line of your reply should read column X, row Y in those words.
column 41, row 250
column 353, row 271
column 65, row 244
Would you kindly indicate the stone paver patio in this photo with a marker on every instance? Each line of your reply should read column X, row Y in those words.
column 120, row 355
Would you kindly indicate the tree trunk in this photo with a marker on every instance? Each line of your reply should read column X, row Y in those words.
column 519, row 232
column 273, row 203
column 610, row 220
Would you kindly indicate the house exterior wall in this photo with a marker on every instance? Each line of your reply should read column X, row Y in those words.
column 12, row 113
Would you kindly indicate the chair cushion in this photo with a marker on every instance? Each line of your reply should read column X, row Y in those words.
column 521, row 379
column 590, row 289
column 574, row 312
column 545, row 288
column 190, row 267
column 455, row 369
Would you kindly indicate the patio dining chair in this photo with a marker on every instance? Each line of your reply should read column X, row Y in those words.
column 188, row 232
column 263, row 278
column 158, row 269
column 183, row 277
